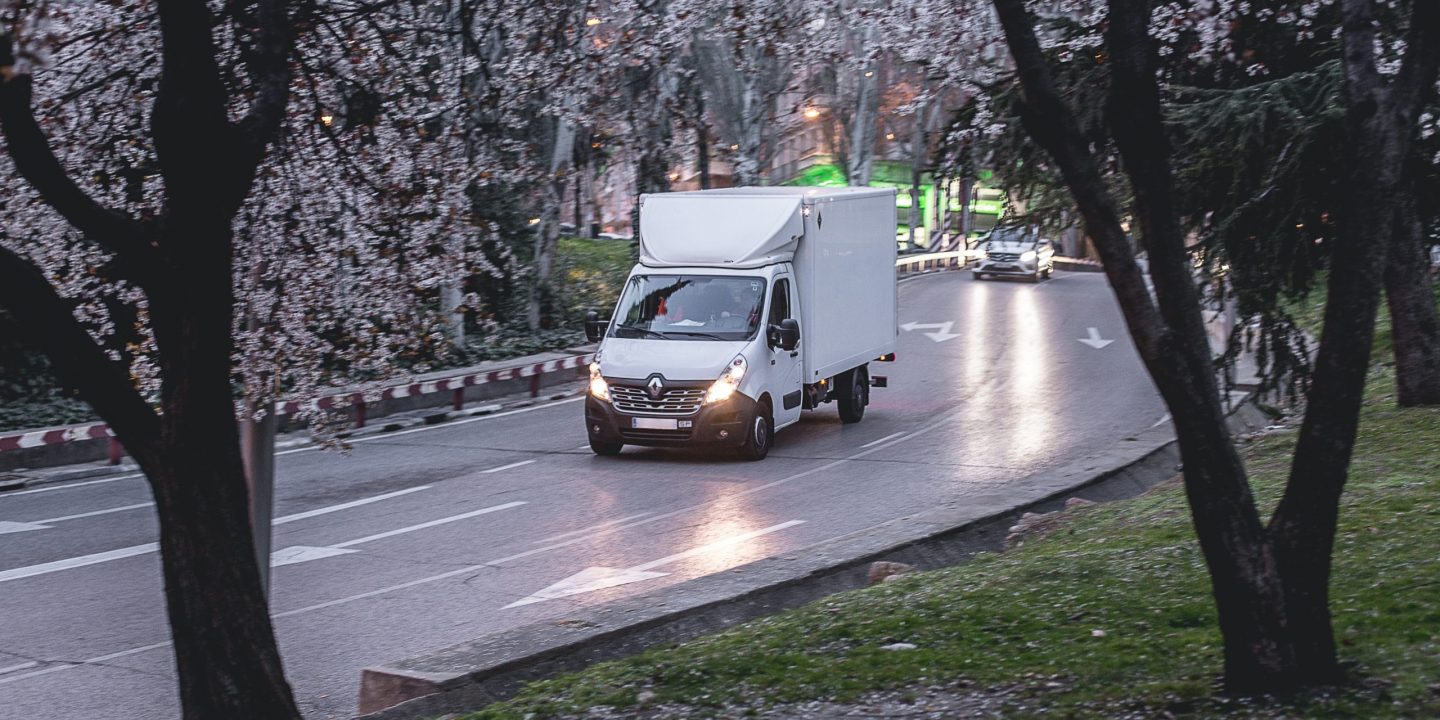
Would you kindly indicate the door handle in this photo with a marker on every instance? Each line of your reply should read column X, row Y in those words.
column 793, row 354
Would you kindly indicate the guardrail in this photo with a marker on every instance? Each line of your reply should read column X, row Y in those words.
column 356, row 402
column 931, row 261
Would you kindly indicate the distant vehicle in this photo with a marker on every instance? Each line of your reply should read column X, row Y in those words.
column 748, row 306
column 1015, row 251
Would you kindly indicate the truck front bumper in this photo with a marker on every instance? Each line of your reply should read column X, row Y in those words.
column 723, row 424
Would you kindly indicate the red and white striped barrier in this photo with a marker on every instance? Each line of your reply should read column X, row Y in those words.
column 36, row 438
column 357, row 400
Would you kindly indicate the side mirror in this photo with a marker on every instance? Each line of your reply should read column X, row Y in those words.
column 788, row 334
column 594, row 326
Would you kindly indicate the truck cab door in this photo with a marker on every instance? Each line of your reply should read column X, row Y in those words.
column 785, row 365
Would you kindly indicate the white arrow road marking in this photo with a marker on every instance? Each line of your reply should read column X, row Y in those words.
column 132, row 551
column 7, row 526
column 599, row 578
column 305, row 553
column 1094, row 340
column 942, row 330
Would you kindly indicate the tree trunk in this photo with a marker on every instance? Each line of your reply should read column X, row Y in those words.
column 547, row 232
column 702, row 142
column 1379, row 121
column 1170, row 338
column 860, row 155
column 1411, row 296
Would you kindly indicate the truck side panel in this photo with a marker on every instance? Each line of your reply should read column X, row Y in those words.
column 845, row 270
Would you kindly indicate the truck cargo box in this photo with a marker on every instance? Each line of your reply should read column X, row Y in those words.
column 840, row 240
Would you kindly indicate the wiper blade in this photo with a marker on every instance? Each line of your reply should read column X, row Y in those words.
column 695, row 334
column 647, row 332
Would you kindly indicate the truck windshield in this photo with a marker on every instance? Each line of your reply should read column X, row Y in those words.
column 690, row 307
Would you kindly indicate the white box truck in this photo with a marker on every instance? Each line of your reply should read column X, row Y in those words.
column 748, row 306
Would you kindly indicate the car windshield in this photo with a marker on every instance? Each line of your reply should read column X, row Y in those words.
column 1010, row 235
column 690, row 307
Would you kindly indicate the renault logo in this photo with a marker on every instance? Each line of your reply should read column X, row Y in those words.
column 657, row 387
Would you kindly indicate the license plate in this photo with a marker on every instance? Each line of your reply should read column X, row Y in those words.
column 654, row 424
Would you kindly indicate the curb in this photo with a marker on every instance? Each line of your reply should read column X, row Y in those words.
column 1078, row 265
column 470, row 675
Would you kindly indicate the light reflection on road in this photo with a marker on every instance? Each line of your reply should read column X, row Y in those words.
column 725, row 515
column 1028, row 378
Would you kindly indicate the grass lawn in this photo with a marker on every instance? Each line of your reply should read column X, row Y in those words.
column 1108, row 613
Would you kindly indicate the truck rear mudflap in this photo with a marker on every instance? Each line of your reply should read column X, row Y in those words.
column 721, row 424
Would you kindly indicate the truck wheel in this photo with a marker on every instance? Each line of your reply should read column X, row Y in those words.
column 607, row 449
column 855, row 395
column 761, row 436
column 977, row 275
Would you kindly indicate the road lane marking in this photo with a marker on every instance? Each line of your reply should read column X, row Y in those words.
column 10, row 526
column 506, row 467
column 592, row 528
column 68, row 665
column 296, row 554
column 1162, row 420
column 134, row 550
column 123, row 508
column 345, row 506
column 74, row 562
column 450, row 424
column 599, row 578
column 430, row 524
column 881, row 440
column 70, row 485
column 21, row 666
column 13, row 526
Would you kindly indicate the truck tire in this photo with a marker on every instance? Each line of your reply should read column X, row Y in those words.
column 606, row 449
column 854, row 394
column 761, row 436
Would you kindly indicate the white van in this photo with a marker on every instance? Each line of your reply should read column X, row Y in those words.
column 748, row 306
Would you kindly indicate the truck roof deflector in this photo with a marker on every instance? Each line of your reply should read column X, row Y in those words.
column 744, row 232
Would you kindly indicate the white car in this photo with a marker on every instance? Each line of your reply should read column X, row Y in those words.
column 1017, row 252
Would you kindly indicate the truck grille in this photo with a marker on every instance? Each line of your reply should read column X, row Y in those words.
column 673, row 402
column 1003, row 256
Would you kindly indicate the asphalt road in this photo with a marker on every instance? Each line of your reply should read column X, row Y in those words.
column 426, row 537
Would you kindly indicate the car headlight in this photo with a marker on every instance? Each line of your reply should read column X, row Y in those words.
column 1027, row 256
column 729, row 381
column 598, row 387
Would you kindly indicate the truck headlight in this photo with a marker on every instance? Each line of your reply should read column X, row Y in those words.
column 598, row 387
column 729, row 381
column 1028, row 256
